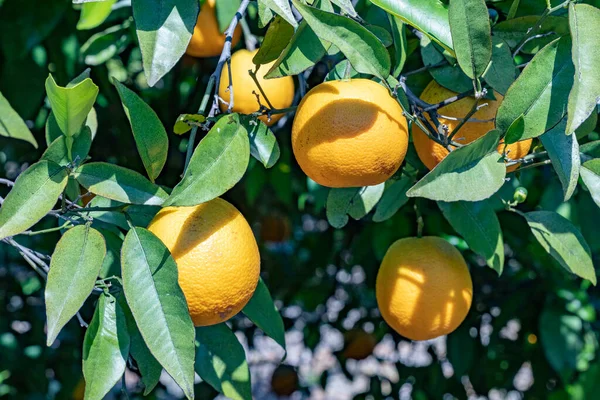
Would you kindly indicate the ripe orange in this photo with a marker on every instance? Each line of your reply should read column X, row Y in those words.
column 423, row 288
column 431, row 153
column 275, row 228
column 358, row 344
column 284, row 381
column 279, row 91
column 207, row 40
column 217, row 257
column 349, row 134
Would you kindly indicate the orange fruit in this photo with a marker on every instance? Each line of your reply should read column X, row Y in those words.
column 358, row 344
column 431, row 153
column 275, row 228
column 216, row 254
column 423, row 288
column 349, row 134
column 207, row 40
column 284, row 381
column 279, row 91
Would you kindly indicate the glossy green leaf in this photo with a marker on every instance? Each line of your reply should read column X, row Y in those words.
column 344, row 71
column 149, row 368
column 34, row 194
column 563, row 241
column 382, row 34
column 149, row 134
column 470, row 173
column 393, row 198
column 221, row 361
column 471, row 35
column 263, row 143
column 478, row 224
column 541, row 92
column 111, row 266
column 71, row 105
column 225, row 11
column 449, row 76
column 218, row 163
column 118, row 183
column 501, row 71
column 283, row 9
column 354, row 202
column 346, row 6
column 364, row 50
column 563, row 150
column 53, row 131
column 429, row 17
column 94, row 14
column 158, row 305
column 57, row 150
column 262, row 311
column 74, row 268
column 140, row 215
column 514, row 30
column 304, row 50
column 400, row 44
column 105, row 348
column 584, row 21
column 164, row 29
column 562, row 340
column 13, row 126
column 516, row 130
column 588, row 126
column 591, row 149
column 265, row 15
column 185, row 123
column 276, row 39
column 103, row 46
column 590, row 173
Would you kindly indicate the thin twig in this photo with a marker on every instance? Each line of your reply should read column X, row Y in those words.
column 449, row 100
column 262, row 92
column 426, row 68
column 476, row 107
column 249, row 38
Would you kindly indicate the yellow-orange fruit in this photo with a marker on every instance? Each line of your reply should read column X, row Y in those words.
column 423, row 288
column 431, row 153
column 207, row 40
column 279, row 91
column 284, row 381
column 358, row 344
column 216, row 254
column 349, row 134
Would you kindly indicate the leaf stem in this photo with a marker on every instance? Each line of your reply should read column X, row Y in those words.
column 67, row 224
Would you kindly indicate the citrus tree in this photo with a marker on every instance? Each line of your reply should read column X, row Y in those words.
column 397, row 171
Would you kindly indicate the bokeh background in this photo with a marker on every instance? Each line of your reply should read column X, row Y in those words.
column 532, row 333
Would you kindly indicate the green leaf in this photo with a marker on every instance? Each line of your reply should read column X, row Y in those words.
column 478, row 224
column 514, row 7
column 449, row 76
column 587, row 127
column 304, row 50
column 149, row 134
column 471, row 35
column 400, row 44
column 164, row 29
column 263, row 143
column 158, row 305
column 276, row 39
column 429, row 17
column 563, row 241
column 564, row 153
column 502, row 71
column 58, row 152
column 74, row 268
column 118, row 183
column 225, row 11
column 514, row 30
column 262, row 311
column 94, row 14
column 562, row 340
column 140, row 215
column 221, row 361
column 364, row 50
column 105, row 348
column 540, row 93
column 265, row 15
column 185, row 122
column 103, row 46
column 13, row 126
column 53, row 131
column 516, row 130
column 584, row 21
column 393, row 198
column 346, row 6
column 344, row 71
column 590, row 173
column 283, row 9
column 71, row 105
column 470, row 173
column 218, row 163
column 355, row 202
column 149, row 368
column 34, row 194
column 111, row 266
column 382, row 34
column 591, row 149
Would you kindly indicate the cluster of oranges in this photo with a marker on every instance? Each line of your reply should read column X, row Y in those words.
column 348, row 133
